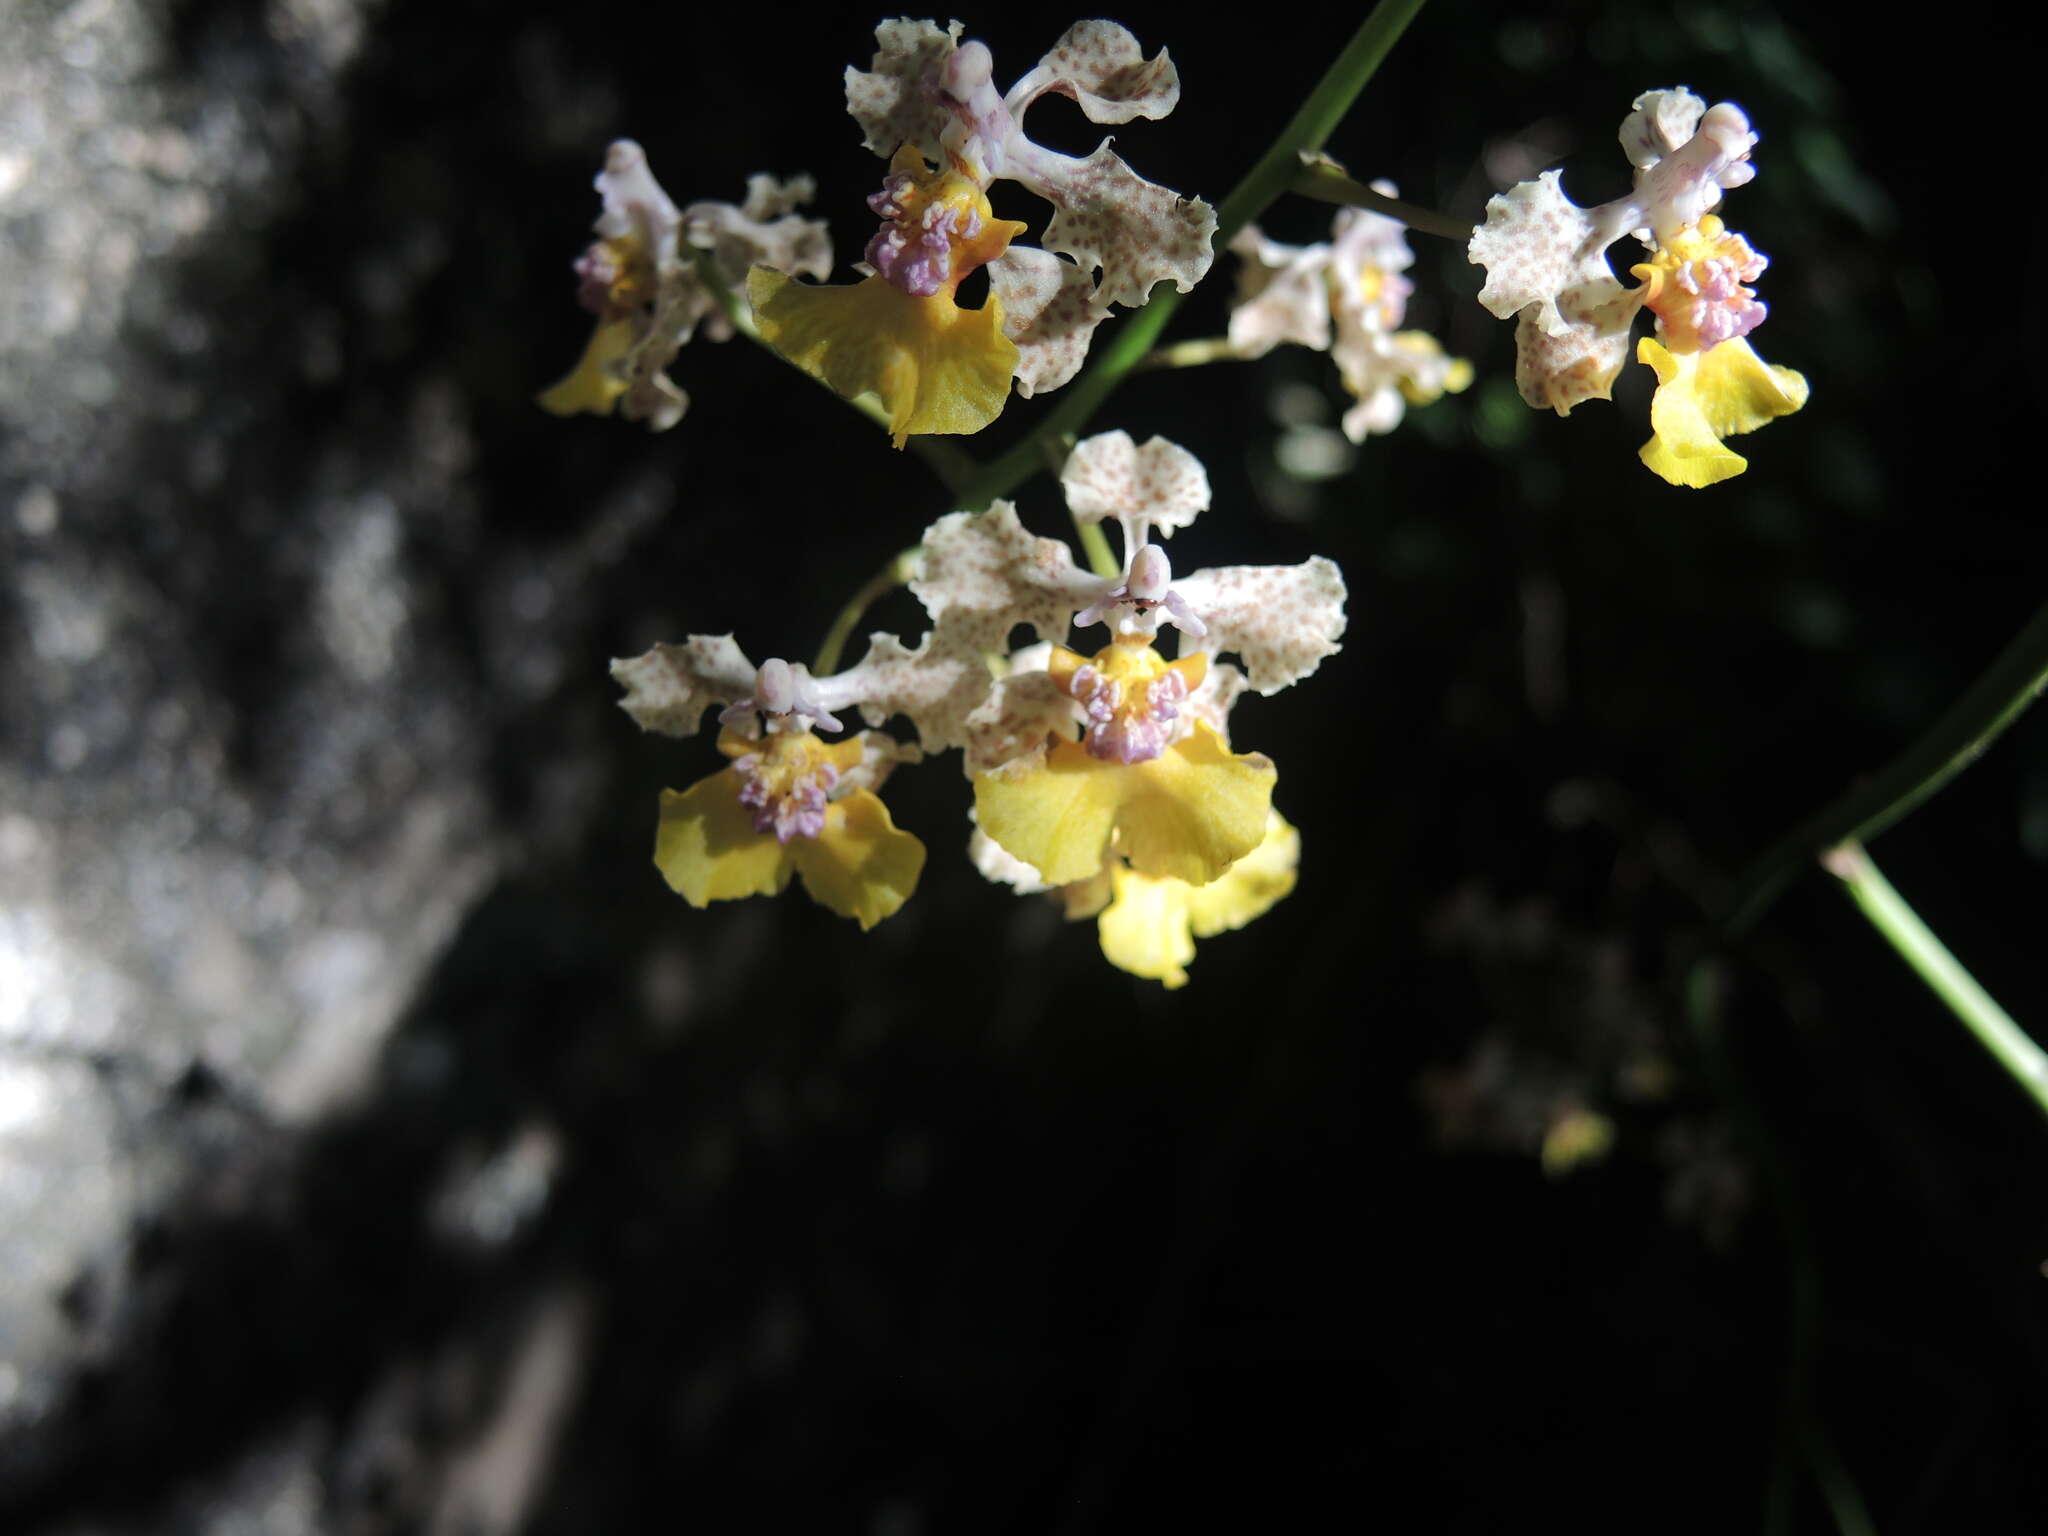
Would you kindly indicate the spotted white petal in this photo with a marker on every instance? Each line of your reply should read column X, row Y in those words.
column 1022, row 711
column 1283, row 295
column 936, row 685
column 1535, row 243
column 1107, row 216
column 983, row 573
column 1049, row 312
column 893, row 101
column 1580, row 362
column 1280, row 620
column 669, row 687
column 1212, row 701
column 764, row 231
column 1100, row 65
column 1659, row 123
column 1161, row 483
column 635, row 204
column 879, row 755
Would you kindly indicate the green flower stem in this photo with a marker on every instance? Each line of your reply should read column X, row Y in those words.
column 899, row 570
column 1802, row 1436
column 1956, row 740
column 1191, row 354
column 1275, row 172
column 1095, row 543
column 1318, row 118
column 1888, row 912
column 953, row 466
column 1324, row 179
column 1078, row 401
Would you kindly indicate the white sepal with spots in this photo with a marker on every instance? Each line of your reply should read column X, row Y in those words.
column 1280, row 620
column 983, row 573
column 1049, row 313
column 936, row 685
column 669, row 687
column 1160, row 486
column 1023, row 710
column 1283, row 295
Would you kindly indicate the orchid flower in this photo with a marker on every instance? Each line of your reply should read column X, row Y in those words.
column 1293, row 293
column 930, row 108
column 1084, row 759
column 640, row 279
column 1546, row 263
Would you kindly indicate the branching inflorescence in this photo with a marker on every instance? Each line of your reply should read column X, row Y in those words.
column 1102, row 771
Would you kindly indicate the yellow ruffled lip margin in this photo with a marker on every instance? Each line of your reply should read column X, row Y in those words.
column 1703, row 397
column 936, row 368
column 860, row 865
column 1148, row 926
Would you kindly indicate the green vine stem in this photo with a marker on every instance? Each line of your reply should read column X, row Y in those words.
column 1272, row 176
column 901, row 567
column 1801, row 1434
column 1956, row 740
column 1095, row 544
column 953, row 466
column 1326, row 181
column 1193, row 353
column 1889, row 913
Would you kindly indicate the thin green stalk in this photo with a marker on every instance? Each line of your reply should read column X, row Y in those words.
column 1889, row 913
column 1837, row 1488
column 1801, row 1434
column 953, row 466
column 1318, row 118
column 1956, row 740
column 1324, row 179
column 1023, row 459
column 891, row 576
column 1193, row 353
column 1095, row 544
column 1133, row 342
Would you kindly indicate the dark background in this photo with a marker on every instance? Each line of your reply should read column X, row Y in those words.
column 389, row 1150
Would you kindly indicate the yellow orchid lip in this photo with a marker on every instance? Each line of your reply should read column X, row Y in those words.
column 1703, row 397
column 1148, row 926
column 936, row 368
column 1177, row 805
column 745, row 831
column 899, row 334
